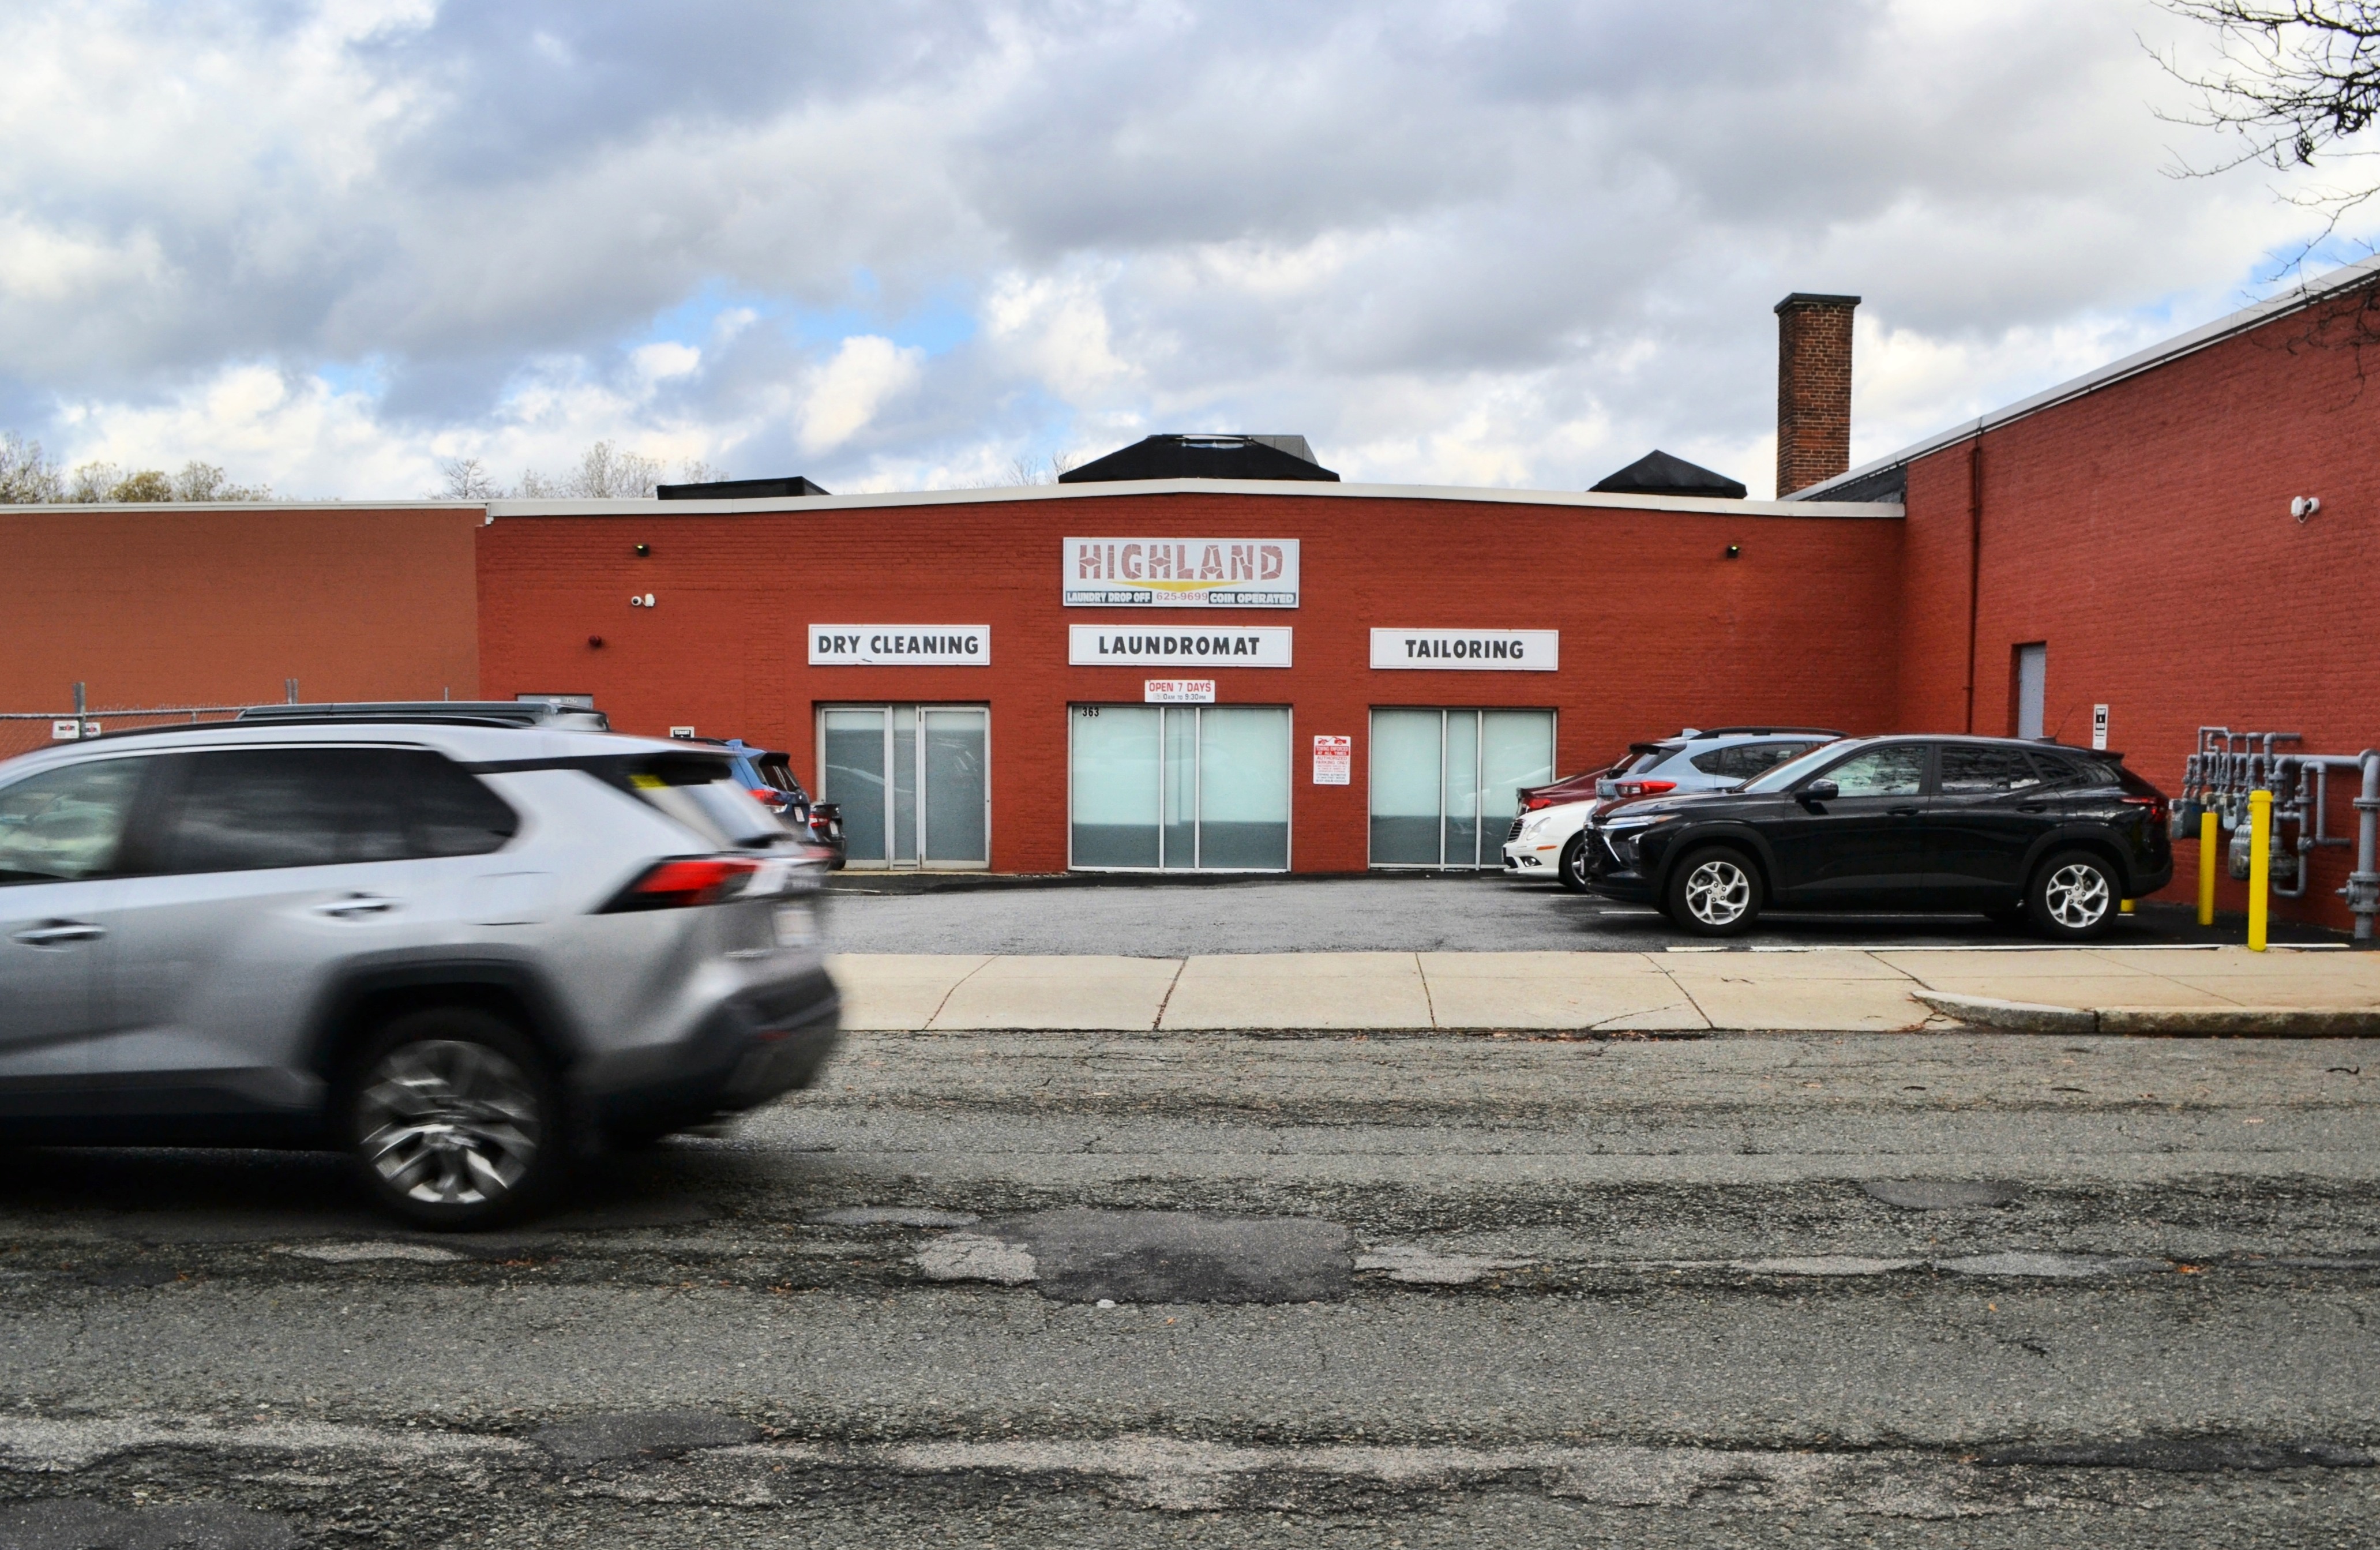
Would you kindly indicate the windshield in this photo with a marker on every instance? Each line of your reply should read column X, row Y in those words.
column 1785, row 774
column 1652, row 758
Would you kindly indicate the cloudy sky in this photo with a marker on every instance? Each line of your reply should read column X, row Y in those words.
column 327, row 243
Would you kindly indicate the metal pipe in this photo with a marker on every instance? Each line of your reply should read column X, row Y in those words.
column 2363, row 890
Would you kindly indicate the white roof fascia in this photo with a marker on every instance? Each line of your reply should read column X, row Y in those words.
column 2130, row 366
column 168, row 507
column 1293, row 488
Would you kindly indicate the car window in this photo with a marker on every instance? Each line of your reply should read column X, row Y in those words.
column 1743, row 760
column 447, row 810
column 1895, row 769
column 1653, row 758
column 1792, row 771
column 778, row 773
column 65, row 823
column 1968, row 770
column 2058, row 769
column 246, row 809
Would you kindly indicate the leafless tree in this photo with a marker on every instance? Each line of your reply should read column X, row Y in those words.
column 27, row 476
column 605, row 472
column 467, row 479
column 2298, row 81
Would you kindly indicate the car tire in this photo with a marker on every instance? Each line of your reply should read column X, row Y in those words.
column 455, row 1120
column 1571, row 870
column 1713, row 892
column 2075, row 897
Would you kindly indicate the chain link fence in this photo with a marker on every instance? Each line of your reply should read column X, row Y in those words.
column 21, row 731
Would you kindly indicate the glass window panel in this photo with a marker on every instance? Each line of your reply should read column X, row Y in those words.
column 1404, row 758
column 1462, row 788
column 955, row 743
column 1115, row 785
column 851, row 772
column 1242, row 787
column 1516, row 749
column 1181, row 789
column 65, row 823
column 1972, row 770
column 904, row 782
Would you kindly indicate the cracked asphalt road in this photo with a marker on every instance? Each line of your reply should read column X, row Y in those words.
column 1215, row 1289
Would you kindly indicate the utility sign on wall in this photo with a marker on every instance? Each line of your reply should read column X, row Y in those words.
column 1468, row 651
column 1334, row 761
column 900, row 645
column 1181, row 573
column 2099, row 727
column 1115, row 645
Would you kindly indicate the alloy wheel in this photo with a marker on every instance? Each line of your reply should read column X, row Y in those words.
column 2077, row 896
column 1717, row 892
column 448, row 1122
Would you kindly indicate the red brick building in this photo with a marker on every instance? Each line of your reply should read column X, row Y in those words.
column 1289, row 672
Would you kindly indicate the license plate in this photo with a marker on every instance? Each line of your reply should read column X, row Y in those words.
column 797, row 926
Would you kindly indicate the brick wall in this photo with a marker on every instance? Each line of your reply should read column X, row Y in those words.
column 180, row 605
column 1658, row 629
column 2143, row 532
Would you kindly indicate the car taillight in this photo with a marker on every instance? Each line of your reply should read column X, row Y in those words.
column 2159, row 813
column 1642, row 788
column 763, row 794
column 684, row 882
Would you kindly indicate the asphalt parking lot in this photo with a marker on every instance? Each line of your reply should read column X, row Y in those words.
column 875, row 911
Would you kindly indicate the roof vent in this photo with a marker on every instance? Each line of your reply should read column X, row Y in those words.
column 1658, row 473
column 1206, row 456
column 741, row 490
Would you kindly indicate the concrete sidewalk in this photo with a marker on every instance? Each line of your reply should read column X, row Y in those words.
column 2223, row 990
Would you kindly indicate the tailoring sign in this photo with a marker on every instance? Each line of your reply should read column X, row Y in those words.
column 900, row 645
column 1118, row 646
column 1472, row 650
column 1181, row 573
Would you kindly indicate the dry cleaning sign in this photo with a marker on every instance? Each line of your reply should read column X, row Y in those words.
column 900, row 645
column 1181, row 573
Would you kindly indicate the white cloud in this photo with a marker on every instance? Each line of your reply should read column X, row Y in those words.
column 846, row 392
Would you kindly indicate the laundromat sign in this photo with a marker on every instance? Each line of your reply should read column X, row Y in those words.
column 1181, row 573
column 1118, row 646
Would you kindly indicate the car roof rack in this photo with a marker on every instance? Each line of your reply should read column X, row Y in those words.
column 1771, row 732
column 477, row 712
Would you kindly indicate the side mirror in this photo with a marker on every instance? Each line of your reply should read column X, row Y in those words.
column 1821, row 790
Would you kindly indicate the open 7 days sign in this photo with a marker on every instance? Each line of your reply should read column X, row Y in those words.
column 1181, row 573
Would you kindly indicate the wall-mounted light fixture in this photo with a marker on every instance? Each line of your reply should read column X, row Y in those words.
column 644, row 550
column 2305, row 506
column 596, row 642
column 1735, row 551
column 644, row 601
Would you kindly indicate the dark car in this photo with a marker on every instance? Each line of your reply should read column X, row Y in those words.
column 770, row 777
column 2052, row 836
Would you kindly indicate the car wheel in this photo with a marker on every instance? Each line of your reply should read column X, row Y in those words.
column 1714, row 892
column 1572, row 869
column 455, row 1120
column 2073, row 897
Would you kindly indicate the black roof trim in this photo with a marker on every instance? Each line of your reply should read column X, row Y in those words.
column 742, row 490
column 1814, row 298
column 1177, row 455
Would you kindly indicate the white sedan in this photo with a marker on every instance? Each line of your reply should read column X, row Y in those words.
column 1549, row 842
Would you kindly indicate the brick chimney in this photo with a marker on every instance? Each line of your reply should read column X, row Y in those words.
column 1814, row 389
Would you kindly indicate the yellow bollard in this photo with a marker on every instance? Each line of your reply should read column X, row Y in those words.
column 2207, row 853
column 2260, row 864
column 2124, row 908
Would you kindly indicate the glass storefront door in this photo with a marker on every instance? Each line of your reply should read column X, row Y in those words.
column 914, row 782
column 1186, row 787
column 1445, row 782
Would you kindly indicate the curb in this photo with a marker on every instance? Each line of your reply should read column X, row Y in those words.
column 2035, row 1017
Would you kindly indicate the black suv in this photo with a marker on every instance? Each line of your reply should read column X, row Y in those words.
column 2020, row 831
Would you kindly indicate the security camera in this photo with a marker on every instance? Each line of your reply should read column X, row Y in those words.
column 2305, row 506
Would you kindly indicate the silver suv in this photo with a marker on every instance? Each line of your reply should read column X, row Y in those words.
column 466, row 948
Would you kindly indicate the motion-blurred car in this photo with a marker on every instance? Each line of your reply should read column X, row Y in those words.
column 458, row 944
column 1549, row 839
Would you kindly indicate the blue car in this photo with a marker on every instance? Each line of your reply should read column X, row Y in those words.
column 770, row 776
